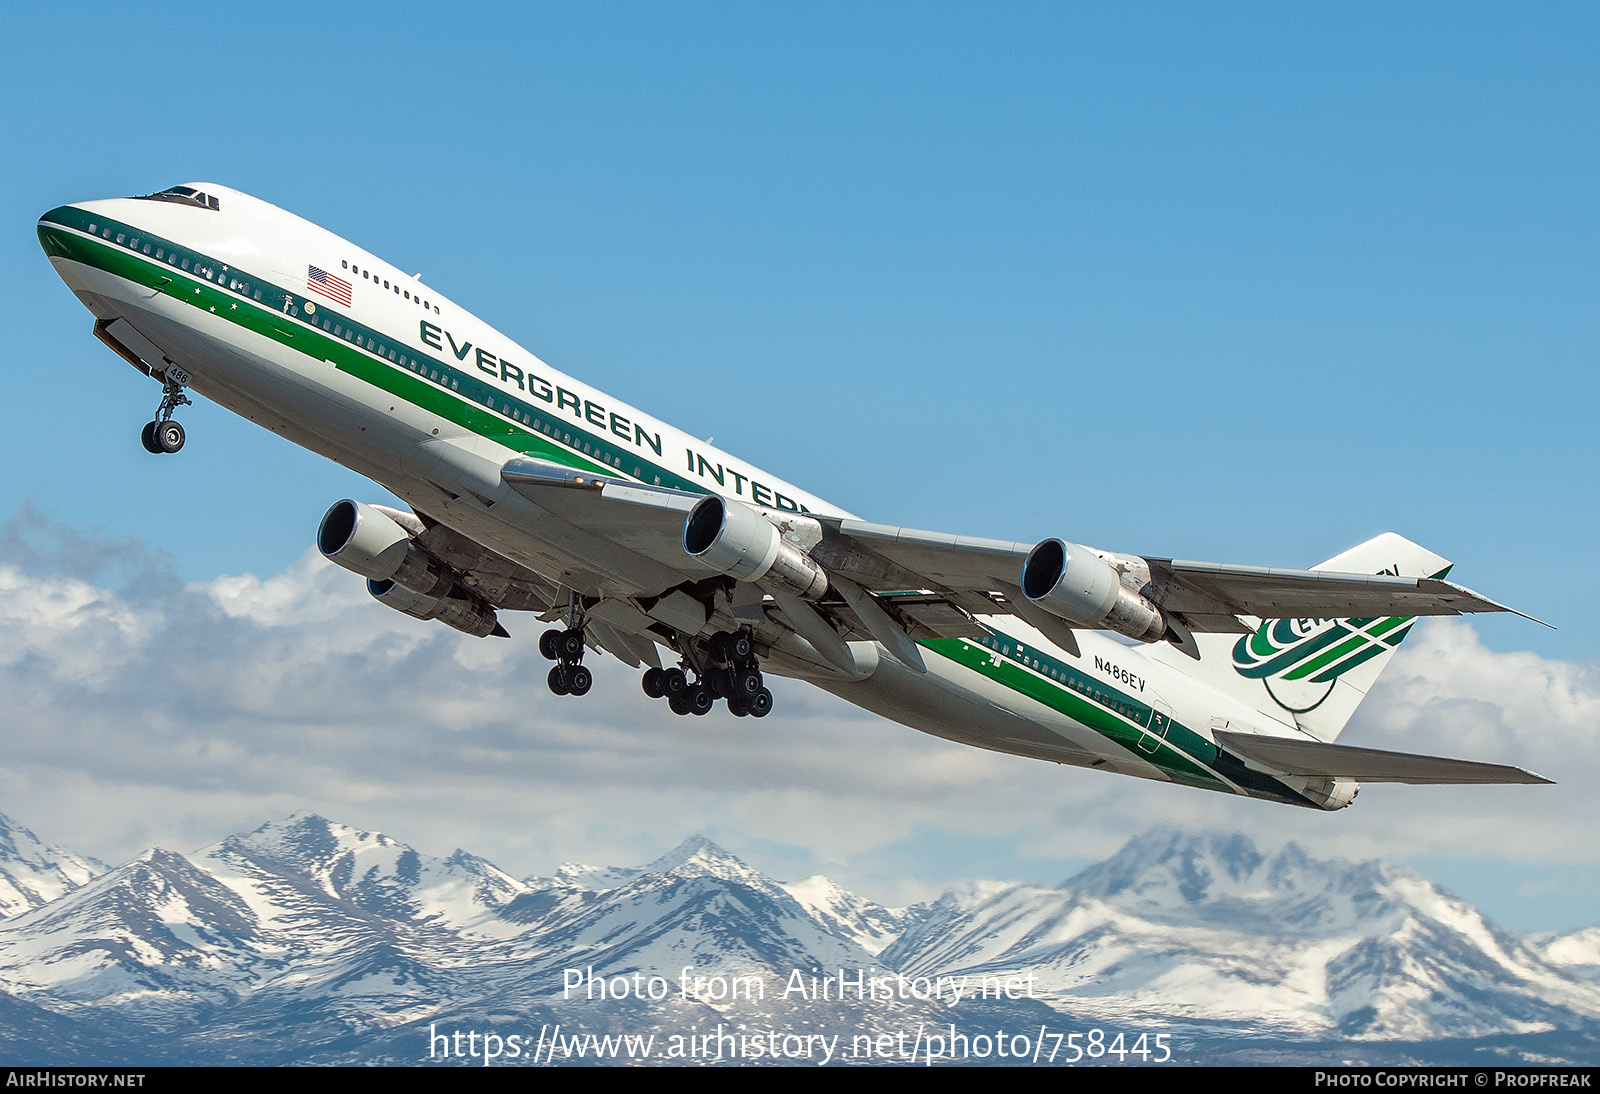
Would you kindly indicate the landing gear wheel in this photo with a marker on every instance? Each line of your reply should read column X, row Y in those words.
column 147, row 437
column 548, row 648
column 700, row 700
column 740, row 647
column 558, row 680
column 169, row 435
column 571, row 644
column 746, row 683
column 718, row 646
column 679, row 702
column 761, row 704
column 653, row 683
column 579, row 680
column 737, row 707
column 675, row 682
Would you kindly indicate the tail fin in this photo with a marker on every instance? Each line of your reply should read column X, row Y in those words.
column 1315, row 672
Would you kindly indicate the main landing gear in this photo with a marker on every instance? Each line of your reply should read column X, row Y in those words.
column 164, row 434
column 733, row 675
column 565, row 648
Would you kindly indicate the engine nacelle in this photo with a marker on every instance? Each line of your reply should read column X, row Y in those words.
column 469, row 616
column 1077, row 585
column 365, row 540
column 738, row 541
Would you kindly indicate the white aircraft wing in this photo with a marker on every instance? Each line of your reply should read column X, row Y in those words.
column 1208, row 588
column 1210, row 594
column 934, row 584
column 647, row 520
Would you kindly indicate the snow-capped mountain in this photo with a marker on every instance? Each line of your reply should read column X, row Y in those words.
column 1191, row 927
column 308, row 940
column 867, row 923
column 33, row 873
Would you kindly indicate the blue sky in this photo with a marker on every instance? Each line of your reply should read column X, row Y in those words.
column 1242, row 282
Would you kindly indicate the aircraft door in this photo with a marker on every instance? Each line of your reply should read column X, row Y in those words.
column 1155, row 731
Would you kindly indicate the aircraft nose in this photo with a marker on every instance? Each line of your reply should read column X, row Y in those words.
column 52, row 237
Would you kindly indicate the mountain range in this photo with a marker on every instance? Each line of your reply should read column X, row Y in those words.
column 307, row 941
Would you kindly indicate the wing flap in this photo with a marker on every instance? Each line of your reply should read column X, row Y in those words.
column 1291, row 756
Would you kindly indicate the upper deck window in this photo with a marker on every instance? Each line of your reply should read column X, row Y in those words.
column 184, row 195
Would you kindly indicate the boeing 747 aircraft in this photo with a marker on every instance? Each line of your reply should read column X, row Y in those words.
column 530, row 491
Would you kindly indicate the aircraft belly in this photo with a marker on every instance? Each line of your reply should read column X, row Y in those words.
column 952, row 702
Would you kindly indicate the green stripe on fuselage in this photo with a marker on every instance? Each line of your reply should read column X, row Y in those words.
column 1176, row 763
column 463, row 405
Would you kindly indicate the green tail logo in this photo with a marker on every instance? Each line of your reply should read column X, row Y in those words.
column 1306, row 653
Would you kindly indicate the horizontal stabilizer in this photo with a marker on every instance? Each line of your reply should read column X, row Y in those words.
column 1290, row 756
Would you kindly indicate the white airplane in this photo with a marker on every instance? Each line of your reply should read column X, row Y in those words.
column 531, row 491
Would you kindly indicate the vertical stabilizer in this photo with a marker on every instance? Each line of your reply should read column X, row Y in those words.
column 1314, row 672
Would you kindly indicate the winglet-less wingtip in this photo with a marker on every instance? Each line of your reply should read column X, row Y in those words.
column 1497, row 606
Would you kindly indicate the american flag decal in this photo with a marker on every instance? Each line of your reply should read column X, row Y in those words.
column 334, row 288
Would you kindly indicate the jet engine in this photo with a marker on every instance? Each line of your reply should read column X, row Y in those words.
column 745, row 544
column 470, row 616
column 367, row 540
column 1077, row 585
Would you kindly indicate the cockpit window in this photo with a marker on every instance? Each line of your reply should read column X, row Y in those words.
column 184, row 195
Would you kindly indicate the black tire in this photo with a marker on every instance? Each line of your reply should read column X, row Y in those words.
column 675, row 681
column 737, row 707
column 558, row 680
column 679, row 702
column 147, row 437
column 572, row 644
column 718, row 646
column 700, row 701
column 740, row 647
column 761, row 704
column 653, row 684
column 719, row 683
column 547, row 645
column 746, row 683
column 169, row 435
column 579, row 680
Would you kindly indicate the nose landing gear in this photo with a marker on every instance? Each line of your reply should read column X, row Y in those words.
column 164, row 435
